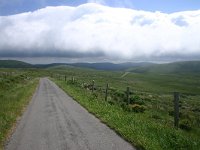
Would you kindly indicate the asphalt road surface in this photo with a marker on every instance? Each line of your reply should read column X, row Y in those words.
column 54, row 121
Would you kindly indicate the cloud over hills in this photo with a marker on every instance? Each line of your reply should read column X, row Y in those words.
column 93, row 30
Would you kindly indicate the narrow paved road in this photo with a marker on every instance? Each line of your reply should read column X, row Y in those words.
column 54, row 121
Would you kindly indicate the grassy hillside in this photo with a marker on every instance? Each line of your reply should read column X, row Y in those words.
column 110, row 66
column 97, row 66
column 143, row 67
column 176, row 67
column 146, row 82
column 14, row 64
column 16, row 89
column 148, row 121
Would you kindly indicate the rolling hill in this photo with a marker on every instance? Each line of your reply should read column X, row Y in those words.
column 143, row 67
column 175, row 67
column 14, row 64
column 111, row 66
column 98, row 66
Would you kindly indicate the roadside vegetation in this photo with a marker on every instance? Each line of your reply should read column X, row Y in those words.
column 147, row 122
column 16, row 90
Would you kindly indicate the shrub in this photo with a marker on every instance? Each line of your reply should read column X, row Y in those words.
column 124, row 106
column 147, row 99
column 196, row 110
column 119, row 94
column 136, row 100
column 95, row 95
column 111, row 102
column 154, row 116
column 137, row 108
column 185, row 125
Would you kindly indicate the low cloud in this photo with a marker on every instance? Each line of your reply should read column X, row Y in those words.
column 93, row 30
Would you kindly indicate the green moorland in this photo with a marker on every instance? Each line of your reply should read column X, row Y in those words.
column 147, row 122
column 14, row 64
column 16, row 89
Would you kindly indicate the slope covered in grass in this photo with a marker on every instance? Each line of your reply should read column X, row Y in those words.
column 147, row 130
column 176, row 67
column 151, row 125
column 16, row 89
column 14, row 64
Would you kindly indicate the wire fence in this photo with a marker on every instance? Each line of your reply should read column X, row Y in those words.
column 131, row 101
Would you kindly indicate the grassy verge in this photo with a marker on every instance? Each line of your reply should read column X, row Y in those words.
column 138, row 128
column 15, row 93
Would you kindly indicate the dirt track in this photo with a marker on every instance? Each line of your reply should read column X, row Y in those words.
column 54, row 121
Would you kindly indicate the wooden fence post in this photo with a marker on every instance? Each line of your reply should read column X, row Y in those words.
column 176, row 109
column 72, row 79
column 106, row 94
column 92, row 86
column 65, row 78
column 128, row 92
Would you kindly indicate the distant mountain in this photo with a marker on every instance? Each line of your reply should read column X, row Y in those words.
column 14, row 64
column 142, row 67
column 21, row 64
column 175, row 67
column 97, row 66
column 110, row 66
column 48, row 65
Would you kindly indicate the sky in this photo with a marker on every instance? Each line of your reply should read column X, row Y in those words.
column 99, row 30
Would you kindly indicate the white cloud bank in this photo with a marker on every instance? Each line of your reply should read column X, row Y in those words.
column 93, row 30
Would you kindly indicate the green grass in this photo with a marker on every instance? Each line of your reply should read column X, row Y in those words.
column 169, row 68
column 138, row 128
column 14, row 64
column 151, row 129
column 144, row 82
column 16, row 89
